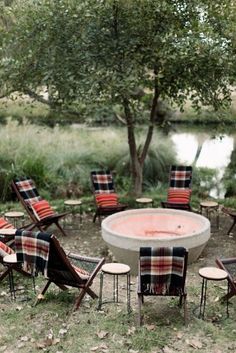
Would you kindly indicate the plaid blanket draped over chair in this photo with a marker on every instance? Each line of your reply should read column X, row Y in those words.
column 28, row 191
column 161, row 270
column 102, row 182
column 32, row 249
column 180, row 177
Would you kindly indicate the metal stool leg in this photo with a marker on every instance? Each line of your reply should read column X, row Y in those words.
column 100, row 292
column 128, row 293
column 11, row 285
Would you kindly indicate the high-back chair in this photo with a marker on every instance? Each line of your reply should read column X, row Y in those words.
column 58, row 267
column 106, row 199
column 229, row 265
column 179, row 192
column 162, row 272
column 40, row 212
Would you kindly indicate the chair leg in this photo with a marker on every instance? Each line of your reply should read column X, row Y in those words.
column 140, row 301
column 232, row 226
column 185, row 311
column 60, row 228
column 95, row 217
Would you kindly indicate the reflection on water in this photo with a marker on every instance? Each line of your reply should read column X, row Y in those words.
column 211, row 152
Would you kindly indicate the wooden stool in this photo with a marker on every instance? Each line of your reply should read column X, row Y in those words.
column 144, row 201
column 211, row 274
column 210, row 207
column 74, row 205
column 15, row 216
column 116, row 270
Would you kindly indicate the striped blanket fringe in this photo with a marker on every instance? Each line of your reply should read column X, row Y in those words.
column 161, row 270
column 32, row 249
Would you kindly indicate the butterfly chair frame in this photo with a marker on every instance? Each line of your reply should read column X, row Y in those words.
column 179, row 291
column 103, row 183
column 46, row 222
column 232, row 213
column 180, row 179
column 229, row 265
column 61, row 271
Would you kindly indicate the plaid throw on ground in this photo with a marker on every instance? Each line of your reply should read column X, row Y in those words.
column 27, row 189
column 102, row 182
column 180, row 177
column 32, row 249
column 161, row 270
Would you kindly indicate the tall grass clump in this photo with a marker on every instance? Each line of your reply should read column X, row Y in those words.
column 60, row 159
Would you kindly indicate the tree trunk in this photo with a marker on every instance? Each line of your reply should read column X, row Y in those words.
column 137, row 159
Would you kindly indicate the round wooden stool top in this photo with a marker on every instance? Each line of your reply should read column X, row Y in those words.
column 10, row 259
column 115, row 268
column 8, row 231
column 14, row 214
column 213, row 273
column 209, row 204
column 72, row 202
column 144, row 200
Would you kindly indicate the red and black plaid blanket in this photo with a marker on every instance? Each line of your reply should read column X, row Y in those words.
column 102, row 182
column 27, row 189
column 161, row 270
column 181, row 177
column 32, row 249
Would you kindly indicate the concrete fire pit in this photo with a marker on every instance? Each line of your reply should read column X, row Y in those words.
column 125, row 232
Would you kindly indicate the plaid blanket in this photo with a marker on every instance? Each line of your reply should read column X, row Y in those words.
column 32, row 249
column 181, row 177
column 102, row 182
column 161, row 270
column 27, row 189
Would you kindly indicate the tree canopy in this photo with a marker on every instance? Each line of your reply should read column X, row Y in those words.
column 124, row 54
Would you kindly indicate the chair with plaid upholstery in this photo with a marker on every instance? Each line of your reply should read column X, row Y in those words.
column 162, row 272
column 106, row 199
column 179, row 192
column 62, row 269
column 40, row 212
column 229, row 265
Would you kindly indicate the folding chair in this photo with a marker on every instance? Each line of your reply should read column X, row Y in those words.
column 162, row 272
column 232, row 213
column 229, row 265
column 106, row 199
column 179, row 192
column 59, row 268
column 40, row 212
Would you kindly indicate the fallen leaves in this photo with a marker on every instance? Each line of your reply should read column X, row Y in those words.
column 102, row 334
column 194, row 343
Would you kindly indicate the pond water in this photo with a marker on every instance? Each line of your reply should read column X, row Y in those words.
column 208, row 151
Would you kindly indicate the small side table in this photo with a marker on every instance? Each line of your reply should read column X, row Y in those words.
column 211, row 274
column 210, row 207
column 74, row 205
column 144, row 201
column 116, row 270
column 15, row 216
